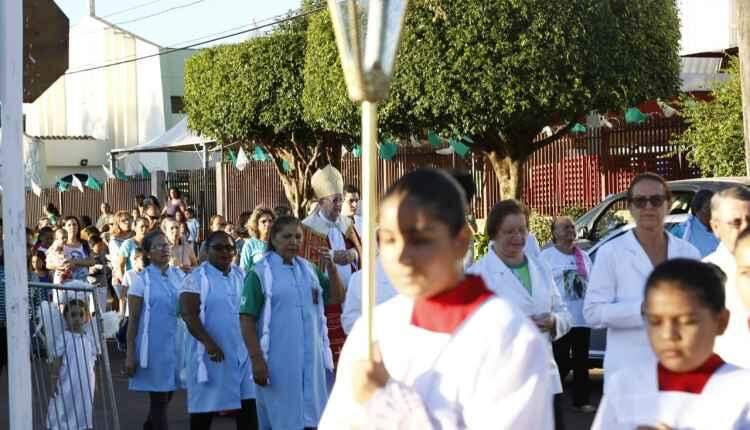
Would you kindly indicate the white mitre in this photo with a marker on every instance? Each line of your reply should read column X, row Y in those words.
column 327, row 181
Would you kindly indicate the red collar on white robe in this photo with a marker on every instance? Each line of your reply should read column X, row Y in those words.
column 444, row 312
column 689, row 382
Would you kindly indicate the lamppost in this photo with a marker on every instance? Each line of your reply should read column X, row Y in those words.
column 368, row 56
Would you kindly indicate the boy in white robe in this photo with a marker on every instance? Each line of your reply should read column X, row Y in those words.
column 689, row 387
column 449, row 354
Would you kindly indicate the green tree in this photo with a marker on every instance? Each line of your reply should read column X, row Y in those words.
column 715, row 134
column 498, row 72
column 251, row 94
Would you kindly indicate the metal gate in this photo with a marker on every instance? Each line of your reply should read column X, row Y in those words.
column 71, row 374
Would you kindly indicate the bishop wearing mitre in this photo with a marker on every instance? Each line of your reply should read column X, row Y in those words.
column 326, row 231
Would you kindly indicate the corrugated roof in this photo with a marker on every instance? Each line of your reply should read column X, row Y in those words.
column 64, row 137
column 701, row 65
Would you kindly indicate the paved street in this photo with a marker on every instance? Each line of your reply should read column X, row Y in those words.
column 133, row 406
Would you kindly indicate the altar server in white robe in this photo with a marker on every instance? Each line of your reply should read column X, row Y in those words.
column 449, row 354
column 615, row 293
column 524, row 280
column 687, row 386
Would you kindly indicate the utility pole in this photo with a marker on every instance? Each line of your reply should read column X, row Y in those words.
column 14, row 215
column 743, row 43
column 92, row 7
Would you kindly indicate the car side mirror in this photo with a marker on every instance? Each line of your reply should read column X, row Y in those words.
column 583, row 233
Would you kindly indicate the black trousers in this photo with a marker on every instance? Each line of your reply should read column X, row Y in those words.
column 157, row 413
column 247, row 419
column 572, row 354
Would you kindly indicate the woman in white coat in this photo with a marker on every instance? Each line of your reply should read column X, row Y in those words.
column 523, row 280
column 615, row 294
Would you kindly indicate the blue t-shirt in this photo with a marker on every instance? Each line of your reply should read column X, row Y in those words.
column 127, row 250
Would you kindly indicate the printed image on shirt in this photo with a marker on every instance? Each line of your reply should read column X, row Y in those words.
column 574, row 285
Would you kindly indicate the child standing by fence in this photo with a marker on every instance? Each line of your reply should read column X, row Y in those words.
column 75, row 355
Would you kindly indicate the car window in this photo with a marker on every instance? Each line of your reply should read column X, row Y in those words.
column 616, row 214
column 681, row 202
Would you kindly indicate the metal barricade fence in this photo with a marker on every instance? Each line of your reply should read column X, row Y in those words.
column 71, row 374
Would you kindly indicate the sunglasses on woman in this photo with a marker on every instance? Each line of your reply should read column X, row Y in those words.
column 656, row 201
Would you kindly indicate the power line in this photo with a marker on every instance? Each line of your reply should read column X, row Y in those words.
column 171, row 50
column 173, row 8
column 182, row 42
column 138, row 6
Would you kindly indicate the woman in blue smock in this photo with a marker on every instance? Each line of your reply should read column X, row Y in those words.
column 284, row 326
column 218, row 366
column 258, row 225
column 151, row 360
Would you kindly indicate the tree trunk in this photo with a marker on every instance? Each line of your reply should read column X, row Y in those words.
column 508, row 173
column 743, row 41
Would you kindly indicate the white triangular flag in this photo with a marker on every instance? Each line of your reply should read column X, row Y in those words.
column 242, row 160
column 77, row 183
column 36, row 189
column 109, row 173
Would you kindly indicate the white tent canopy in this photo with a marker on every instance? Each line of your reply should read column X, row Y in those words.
column 177, row 139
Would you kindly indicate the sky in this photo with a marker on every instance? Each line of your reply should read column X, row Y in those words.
column 177, row 23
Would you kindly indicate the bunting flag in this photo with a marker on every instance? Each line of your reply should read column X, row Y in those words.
column 242, row 160
column 388, row 150
column 458, row 147
column 232, row 158
column 119, row 174
column 357, row 151
column 286, row 166
column 144, row 171
column 435, row 140
column 36, row 189
column 467, row 139
column 635, row 116
column 93, row 184
column 62, row 186
column 108, row 172
column 259, row 154
column 578, row 128
column 77, row 183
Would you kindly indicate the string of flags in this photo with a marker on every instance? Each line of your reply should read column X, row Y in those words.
column 64, row 184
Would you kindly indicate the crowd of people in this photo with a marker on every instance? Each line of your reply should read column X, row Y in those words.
column 254, row 317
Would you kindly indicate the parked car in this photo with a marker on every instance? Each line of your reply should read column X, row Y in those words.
column 611, row 218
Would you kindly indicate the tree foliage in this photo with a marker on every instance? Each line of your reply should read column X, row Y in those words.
column 501, row 71
column 251, row 94
column 715, row 134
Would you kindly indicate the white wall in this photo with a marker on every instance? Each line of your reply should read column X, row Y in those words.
column 707, row 25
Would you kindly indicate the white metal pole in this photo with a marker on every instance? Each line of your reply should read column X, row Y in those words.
column 14, row 215
column 369, row 213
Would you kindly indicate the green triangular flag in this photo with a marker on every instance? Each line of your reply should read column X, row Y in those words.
column 467, row 139
column 459, row 148
column 388, row 150
column 259, row 154
column 286, row 166
column 144, row 171
column 635, row 116
column 357, row 151
column 434, row 139
column 62, row 186
column 92, row 183
column 232, row 157
column 119, row 174
column 578, row 128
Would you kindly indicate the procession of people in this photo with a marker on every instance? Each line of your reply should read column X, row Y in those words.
column 270, row 330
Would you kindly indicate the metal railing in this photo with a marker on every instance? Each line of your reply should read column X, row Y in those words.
column 71, row 373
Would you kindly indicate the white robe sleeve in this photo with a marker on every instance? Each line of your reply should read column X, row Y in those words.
column 563, row 318
column 601, row 306
column 352, row 308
